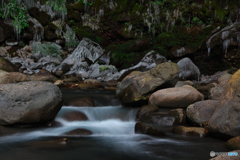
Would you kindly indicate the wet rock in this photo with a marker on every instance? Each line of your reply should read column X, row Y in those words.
column 228, row 157
column 174, row 117
column 202, row 111
column 29, row 102
column 145, row 110
column 6, row 65
column 225, row 120
column 19, row 77
column 6, row 77
column 233, row 143
column 82, row 102
column 138, row 86
column 75, row 116
column 145, row 129
column 216, row 92
column 43, row 75
column 176, row 97
column 182, row 83
column 189, row 131
column 188, row 70
column 78, row 132
column 53, row 124
column 225, row 77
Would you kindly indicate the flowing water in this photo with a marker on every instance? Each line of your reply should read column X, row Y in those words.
column 113, row 136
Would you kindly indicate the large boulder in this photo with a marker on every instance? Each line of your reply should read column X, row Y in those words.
column 188, row 70
column 6, row 77
column 226, row 118
column 138, row 86
column 176, row 97
column 202, row 111
column 29, row 102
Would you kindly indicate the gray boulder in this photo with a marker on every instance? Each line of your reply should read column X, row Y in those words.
column 29, row 102
column 188, row 70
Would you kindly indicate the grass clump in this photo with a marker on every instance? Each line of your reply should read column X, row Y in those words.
column 47, row 48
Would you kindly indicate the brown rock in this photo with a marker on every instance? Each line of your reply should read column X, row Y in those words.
column 189, row 131
column 145, row 129
column 19, row 77
column 6, row 77
column 233, row 143
column 176, row 97
column 78, row 132
column 43, row 75
column 82, row 102
column 75, row 116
